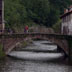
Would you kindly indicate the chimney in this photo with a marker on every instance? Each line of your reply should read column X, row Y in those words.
column 65, row 10
column 70, row 8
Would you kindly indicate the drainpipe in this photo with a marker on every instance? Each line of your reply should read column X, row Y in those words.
column 3, row 25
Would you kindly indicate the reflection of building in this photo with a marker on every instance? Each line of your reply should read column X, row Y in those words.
column 66, row 27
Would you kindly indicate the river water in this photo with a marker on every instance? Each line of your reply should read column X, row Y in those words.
column 33, row 59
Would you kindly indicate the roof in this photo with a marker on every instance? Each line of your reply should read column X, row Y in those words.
column 66, row 14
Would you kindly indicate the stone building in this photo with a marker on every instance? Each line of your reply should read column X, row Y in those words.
column 1, row 16
column 66, row 26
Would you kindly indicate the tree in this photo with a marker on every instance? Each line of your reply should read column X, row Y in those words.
column 60, row 4
column 15, row 13
column 19, row 13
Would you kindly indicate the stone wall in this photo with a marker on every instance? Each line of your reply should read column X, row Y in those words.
column 41, row 29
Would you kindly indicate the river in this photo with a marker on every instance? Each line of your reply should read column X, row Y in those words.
column 33, row 59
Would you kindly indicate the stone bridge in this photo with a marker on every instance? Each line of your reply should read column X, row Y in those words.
column 9, row 41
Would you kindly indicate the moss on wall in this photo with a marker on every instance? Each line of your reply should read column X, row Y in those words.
column 2, row 54
column 24, row 43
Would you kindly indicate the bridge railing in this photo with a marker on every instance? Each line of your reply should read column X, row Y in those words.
column 34, row 34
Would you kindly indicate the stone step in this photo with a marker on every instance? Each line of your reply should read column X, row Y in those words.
column 37, row 50
column 36, row 56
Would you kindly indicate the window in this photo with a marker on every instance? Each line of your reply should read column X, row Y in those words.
column 0, row 12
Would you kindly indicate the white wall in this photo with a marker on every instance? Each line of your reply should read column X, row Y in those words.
column 70, row 25
column 67, row 23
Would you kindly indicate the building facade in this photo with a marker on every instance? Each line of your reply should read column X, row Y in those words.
column 1, row 16
column 66, row 26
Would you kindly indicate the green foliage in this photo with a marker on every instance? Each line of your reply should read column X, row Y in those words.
column 53, row 17
column 37, row 10
column 19, row 13
column 15, row 13
column 60, row 4
column 57, row 27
